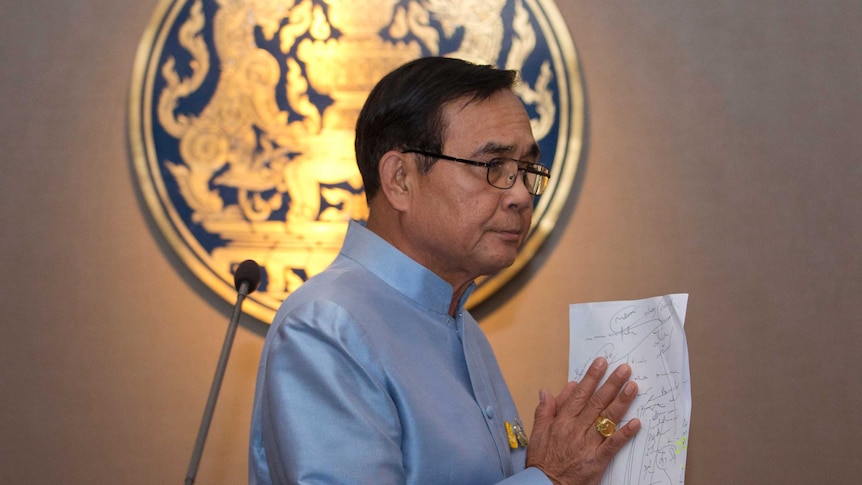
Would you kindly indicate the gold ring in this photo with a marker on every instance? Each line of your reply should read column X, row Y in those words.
column 605, row 426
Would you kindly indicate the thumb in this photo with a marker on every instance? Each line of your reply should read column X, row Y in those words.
column 544, row 417
column 545, row 413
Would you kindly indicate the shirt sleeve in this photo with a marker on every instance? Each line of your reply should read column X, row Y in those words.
column 326, row 416
column 528, row 476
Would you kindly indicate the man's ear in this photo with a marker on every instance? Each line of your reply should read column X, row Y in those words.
column 395, row 179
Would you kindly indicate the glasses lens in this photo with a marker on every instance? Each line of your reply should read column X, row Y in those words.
column 536, row 183
column 502, row 173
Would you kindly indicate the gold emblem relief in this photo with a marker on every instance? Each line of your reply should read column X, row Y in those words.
column 242, row 115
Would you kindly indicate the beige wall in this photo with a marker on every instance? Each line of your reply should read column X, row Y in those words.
column 722, row 159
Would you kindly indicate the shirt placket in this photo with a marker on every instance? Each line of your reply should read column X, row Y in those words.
column 485, row 398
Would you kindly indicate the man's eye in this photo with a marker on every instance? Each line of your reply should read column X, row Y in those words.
column 496, row 163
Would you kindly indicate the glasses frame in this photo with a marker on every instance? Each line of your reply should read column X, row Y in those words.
column 535, row 168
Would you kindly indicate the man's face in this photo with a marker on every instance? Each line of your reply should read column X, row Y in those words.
column 462, row 227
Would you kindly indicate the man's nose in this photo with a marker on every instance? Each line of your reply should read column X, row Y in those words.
column 518, row 195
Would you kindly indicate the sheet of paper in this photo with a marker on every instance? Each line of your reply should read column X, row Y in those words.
column 648, row 335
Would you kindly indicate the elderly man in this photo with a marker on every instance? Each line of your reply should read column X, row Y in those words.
column 373, row 372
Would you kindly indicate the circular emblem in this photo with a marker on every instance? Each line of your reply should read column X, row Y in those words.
column 242, row 117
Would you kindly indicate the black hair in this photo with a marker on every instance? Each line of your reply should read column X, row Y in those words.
column 405, row 109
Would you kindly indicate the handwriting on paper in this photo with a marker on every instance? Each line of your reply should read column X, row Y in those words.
column 648, row 335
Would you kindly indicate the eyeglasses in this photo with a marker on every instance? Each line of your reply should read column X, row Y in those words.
column 503, row 172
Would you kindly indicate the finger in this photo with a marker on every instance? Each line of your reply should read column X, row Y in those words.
column 583, row 391
column 612, row 445
column 543, row 420
column 599, row 401
column 544, row 415
column 545, row 411
column 565, row 393
column 617, row 409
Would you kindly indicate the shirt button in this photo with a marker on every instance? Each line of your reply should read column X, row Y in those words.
column 489, row 412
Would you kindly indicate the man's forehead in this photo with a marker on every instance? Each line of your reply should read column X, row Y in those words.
column 499, row 148
column 457, row 105
column 481, row 139
column 486, row 137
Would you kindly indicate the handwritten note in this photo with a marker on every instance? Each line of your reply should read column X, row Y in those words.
column 648, row 335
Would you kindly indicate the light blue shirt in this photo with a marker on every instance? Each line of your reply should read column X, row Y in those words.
column 365, row 378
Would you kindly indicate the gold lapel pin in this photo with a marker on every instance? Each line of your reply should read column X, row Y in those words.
column 510, row 434
column 515, row 434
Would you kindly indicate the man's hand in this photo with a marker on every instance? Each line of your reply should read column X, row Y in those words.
column 565, row 443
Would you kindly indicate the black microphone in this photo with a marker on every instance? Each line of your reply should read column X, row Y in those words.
column 246, row 280
column 248, row 274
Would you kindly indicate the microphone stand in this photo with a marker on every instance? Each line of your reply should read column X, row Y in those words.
column 216, row 385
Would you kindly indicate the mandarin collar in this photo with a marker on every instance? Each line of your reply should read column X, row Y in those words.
column 398, row 270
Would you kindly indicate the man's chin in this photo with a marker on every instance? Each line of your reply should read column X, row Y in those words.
column 501, row 263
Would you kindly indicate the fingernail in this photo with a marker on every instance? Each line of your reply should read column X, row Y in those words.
column 623, row 370
column 600, row 363
column 630, row 388
column 541, row 396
